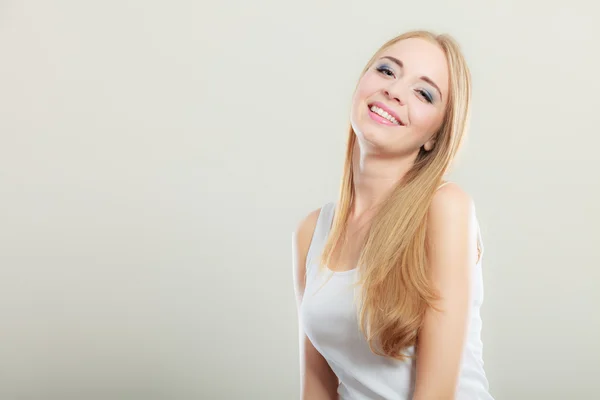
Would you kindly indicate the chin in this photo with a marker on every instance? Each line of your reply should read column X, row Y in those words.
column 371, row 137
column 376, row 139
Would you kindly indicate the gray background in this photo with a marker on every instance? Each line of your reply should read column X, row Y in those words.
column 155, row 158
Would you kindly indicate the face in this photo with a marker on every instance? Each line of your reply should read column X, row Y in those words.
column 400, row 102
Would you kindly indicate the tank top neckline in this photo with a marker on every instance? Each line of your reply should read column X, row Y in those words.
column 329, row 225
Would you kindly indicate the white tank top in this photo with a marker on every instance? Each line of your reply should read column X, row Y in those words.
column 328, row 316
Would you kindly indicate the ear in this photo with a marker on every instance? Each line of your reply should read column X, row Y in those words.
column 428, row 146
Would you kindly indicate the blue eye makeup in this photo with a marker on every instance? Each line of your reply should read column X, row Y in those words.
column 385, row 69
column 426, row 95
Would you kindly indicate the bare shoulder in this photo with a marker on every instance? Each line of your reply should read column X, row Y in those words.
column 452, row 230
column 306, row 227
column 450, row 202
column 300, row 245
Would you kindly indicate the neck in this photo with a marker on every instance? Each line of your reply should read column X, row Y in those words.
column 374, row 178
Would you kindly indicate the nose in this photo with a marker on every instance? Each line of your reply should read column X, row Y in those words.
column 393, row 92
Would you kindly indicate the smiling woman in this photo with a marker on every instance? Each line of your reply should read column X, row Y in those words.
column 388, row 277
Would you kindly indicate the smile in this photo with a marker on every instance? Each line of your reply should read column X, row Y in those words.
column 383, row 117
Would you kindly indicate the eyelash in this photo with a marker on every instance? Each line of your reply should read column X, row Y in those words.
column 426, row 95
column 385, row 70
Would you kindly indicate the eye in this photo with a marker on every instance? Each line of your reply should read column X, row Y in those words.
column 384, row 69
column 426, row 95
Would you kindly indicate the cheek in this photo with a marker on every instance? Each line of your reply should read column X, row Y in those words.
column 359, row 99
column 367, row 86
column 365, row 90
column 424, row 118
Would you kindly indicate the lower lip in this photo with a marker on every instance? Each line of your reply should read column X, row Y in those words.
column 378, row 118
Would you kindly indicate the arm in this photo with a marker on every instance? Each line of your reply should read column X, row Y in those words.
column 452, row 254
column 318, row 382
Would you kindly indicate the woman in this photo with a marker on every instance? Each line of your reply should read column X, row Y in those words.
column 388, row 280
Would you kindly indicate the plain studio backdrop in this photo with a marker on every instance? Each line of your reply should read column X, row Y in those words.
column 155, row 158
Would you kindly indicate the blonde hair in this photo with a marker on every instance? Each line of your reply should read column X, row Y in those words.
column 395, row 288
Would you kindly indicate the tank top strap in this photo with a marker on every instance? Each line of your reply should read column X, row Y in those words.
column 320, row 234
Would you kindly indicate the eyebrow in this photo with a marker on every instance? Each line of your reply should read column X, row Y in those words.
column 424, row 78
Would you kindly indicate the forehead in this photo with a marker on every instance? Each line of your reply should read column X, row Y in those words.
column 422, row 58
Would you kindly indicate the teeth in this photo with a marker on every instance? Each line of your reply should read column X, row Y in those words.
column 384, row 114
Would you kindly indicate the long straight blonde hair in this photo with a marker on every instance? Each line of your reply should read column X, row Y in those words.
column 393, row 267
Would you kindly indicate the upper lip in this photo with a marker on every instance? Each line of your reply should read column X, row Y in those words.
column 388, row 110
